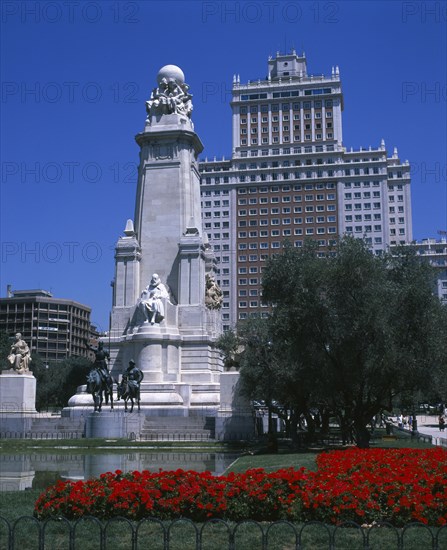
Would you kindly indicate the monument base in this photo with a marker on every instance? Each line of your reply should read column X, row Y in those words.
column 234, row 420
column 162, row 399
column 17, row 392
column 114, row 424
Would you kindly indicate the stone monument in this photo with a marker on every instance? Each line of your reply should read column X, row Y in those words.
column 17, row 390
column 165, row 312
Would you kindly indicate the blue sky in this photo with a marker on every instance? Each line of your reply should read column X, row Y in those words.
column 75, row 77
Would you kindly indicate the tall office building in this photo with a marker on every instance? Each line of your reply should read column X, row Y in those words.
column 54, row 328
column 291, row 177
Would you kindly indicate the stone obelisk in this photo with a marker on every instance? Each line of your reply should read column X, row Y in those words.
column 159, row 317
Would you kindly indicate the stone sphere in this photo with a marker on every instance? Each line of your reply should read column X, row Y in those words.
column 171, row 72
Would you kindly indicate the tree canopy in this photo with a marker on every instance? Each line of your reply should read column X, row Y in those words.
column 347, row 333
column 57, row 382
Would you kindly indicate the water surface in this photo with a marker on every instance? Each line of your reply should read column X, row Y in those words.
column 19, row 472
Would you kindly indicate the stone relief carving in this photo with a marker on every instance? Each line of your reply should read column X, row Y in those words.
column 213, row 293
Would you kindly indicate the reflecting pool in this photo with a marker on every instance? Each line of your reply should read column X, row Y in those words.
column 19, row 472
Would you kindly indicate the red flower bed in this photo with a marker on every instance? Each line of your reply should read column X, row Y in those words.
column 357, row 485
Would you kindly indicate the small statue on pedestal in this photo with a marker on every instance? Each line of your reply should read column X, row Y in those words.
column 19, row 356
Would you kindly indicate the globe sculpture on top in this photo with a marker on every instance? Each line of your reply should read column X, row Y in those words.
column 171, row 95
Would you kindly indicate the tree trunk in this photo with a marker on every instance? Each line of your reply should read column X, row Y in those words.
column 362, row 435
column 272, row 442
column 325, row 421
column 293, row 426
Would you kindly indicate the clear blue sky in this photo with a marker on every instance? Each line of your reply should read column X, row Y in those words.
column 75, row 77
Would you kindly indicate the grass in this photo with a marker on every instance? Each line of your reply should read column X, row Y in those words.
column 271, row 463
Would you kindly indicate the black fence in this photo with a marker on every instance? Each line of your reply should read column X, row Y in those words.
column 27, row 533
column 41, row 435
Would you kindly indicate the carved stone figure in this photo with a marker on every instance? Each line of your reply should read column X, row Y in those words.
column 151, row 302
column 171, row 95
column 19, row 356
column 213, row 293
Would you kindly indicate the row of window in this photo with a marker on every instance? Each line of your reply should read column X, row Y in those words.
column 253, row 303
column 358, row 184
column 364, row 206
column 218, row 203
column 285, row 118
column 218, row 236
column 286, row 221
column 284, row 210
column 276, row 107
column 288, row 210
column 366, row 217
column 361, row 229
column 285, row 163
column 286, row 175
column 287, row 138
column 358, row 195
column 285, row 232
column 296, row 162
column 253, row 315
column 285, row 188
column 252, row 258
column 285, row 128
column 288, row 150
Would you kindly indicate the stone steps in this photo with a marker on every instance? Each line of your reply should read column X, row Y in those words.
column 57, row 427
column 178, row 428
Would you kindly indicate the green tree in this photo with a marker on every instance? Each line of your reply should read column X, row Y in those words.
column 269, row 375
column 353, row 330
column 57, row 382
column 229, row 345
column 5, row 348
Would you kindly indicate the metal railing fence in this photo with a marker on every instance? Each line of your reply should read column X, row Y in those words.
column 89, row 533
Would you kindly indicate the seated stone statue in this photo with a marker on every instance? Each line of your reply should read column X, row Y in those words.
column 19, row 356
column 151, row 302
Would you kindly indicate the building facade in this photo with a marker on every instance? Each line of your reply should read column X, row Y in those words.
column 54, row 328
column 291, row 178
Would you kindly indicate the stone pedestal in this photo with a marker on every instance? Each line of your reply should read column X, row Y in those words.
column 235, row 419
column 17, row 392
column 16, row 473
column 113, row 424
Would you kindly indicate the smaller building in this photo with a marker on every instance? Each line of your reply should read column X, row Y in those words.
column 54, row 328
